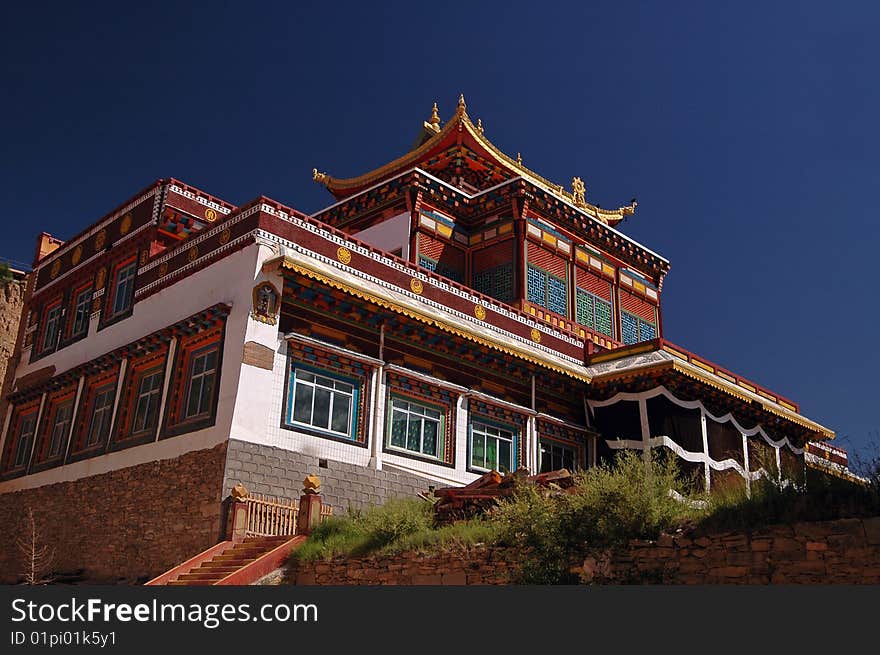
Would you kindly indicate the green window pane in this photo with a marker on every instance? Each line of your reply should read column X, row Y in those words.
column 398, row 430
column 414, row 434
column 341, row 413
column 505, row 461
column 478, row 447
column 302, row 403
column 492, row 454
column 321, row 410
column 430, row 439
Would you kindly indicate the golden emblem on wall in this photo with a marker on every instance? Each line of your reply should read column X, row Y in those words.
column 578, row 192
column 416, row 285
column 163, row 269
column 343, row 254
column 210, row 215
column 145, row 255
column 56, row 268
column 100, row 239
column 76, row 255
column 125, row 225
column 96, row 306
column 193, row 254
column 101, row 278
column 536, row 335
column 225, row 235
column 480, row 312
column 266, row 302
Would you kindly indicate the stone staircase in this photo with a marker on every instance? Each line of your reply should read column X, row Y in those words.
column 235, row 564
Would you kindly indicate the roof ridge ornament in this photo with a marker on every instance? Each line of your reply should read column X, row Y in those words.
column 320, row 178
column 578, row 192
column 480, row 125
column 434, row 122
column 461, row 103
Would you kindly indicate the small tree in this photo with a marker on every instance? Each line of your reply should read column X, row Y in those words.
column 5, row 273
column 37, row 557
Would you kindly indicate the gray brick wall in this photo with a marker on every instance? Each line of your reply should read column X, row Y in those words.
column 278, row 472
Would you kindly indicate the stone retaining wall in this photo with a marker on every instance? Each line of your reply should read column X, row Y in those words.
column 846, row 551
column 125, row 525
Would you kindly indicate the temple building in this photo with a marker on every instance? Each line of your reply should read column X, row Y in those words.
column 451, row 313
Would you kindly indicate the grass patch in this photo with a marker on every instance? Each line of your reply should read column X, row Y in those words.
column 396, row 526
column 608, row 505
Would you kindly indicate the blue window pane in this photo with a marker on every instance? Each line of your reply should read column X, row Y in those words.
column 496, row 282
column 557, row 297
column 629, row 327
column 536, row 281
column 603, row 317
column 585, row 308
column 646, row 331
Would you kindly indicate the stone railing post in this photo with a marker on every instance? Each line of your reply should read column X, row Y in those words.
column 236, row 525
column 309, row 515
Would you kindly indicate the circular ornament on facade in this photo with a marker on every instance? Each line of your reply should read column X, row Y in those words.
column 56, row 268
column 225, row 235
column 102, row 277
column 100, row 239
column 343, row 254
column 76, row 255
column 480, row 312
column 125, row 225
column 536, row 335
column 210, row 215
column 416, row 285
column 193, row 254
column 163, row 269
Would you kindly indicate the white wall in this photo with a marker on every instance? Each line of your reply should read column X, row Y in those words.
column 389, row 235
column 230, row 281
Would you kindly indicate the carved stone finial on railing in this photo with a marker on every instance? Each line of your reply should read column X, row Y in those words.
column 239, row 492
column 312, row 484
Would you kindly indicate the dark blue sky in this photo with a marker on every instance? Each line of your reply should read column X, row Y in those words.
column 746, row 132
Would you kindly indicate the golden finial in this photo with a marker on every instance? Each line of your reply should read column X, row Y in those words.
column 435, row 117
column 519, row 159
column 461, row 103
column 320, row 178
column 578, row 192
column 480, row 125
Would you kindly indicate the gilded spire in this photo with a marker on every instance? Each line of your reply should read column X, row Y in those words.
column 435, row 117
column 461, row 103
column 519, row 158
column 578, row 192
column 480, row 125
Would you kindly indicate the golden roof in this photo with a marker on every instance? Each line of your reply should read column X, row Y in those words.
column 461, row 122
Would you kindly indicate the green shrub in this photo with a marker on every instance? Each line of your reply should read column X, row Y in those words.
column 609, row 504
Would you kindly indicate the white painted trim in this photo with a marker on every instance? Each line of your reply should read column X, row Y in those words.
column 697, row 458
column 36, row 433
column 123, row 367
column 471, row 393
column 169, row 365
column 6, row 421
column 424, row 377
column 294, row 336
column 376, row 433
column 423, row 474
column 694, row 404
column 705, row 434
column 74, row 415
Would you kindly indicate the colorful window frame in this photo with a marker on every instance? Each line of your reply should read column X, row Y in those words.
column 190, row 351
column 440, row 268
column 547, row 290
column 80, row 312
column 20, row 438
column 416, row 438
column 129, row 429
column 594, row 312
column 312, row 384
column 51, row 327
column 81, row 447
column 482, row 432
column 119, row 293
column 635, row 329
column 56, row 426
